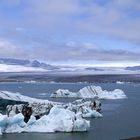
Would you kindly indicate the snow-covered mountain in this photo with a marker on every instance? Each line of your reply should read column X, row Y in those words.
column 20, row 65
column 134, row 68
column 24, row 65
column 29, row 63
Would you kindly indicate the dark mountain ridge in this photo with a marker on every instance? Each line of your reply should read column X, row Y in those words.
column 25, row 62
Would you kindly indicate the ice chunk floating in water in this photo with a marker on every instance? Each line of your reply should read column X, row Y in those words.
column 7, row 95
column 90, row 92
column 58, row 120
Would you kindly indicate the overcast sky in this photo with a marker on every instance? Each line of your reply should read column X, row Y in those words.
column 74, row 32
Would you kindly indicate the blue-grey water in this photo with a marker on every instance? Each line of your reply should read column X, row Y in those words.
column 121, row 117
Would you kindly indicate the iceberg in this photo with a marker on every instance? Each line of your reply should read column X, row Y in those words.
column 88, row 113
column 2, row 123
column 46, row 116
column 58, row 120
column 11, row 124
column 7, row 95
column 90, row 92
column 86, row 108
column 80, row 125
column 41, row 107
column 37, row 109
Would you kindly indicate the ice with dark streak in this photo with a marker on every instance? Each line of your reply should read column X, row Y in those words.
column 90, row 92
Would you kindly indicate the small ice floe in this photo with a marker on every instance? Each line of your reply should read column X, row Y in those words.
column 30, row 81
column 88, row 113
column 42, row 94
column 119, row 82
column 90, row 92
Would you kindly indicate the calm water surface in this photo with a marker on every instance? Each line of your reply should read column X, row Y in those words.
column 121, row 117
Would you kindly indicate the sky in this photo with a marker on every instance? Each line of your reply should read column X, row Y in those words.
column 71, row 32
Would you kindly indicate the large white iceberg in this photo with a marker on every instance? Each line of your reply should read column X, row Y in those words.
column 58, row 120
column 90, row 92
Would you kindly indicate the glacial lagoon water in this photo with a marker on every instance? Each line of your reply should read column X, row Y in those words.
column 121, row 117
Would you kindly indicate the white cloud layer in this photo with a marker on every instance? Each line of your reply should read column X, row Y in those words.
column 31, row 22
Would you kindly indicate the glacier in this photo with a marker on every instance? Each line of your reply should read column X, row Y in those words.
column 90, row 92
column 58, row 120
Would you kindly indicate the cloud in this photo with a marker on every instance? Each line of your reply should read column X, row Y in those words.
column 10, row 50
column 70, row 51
column 82, row 52
column 35, row 26
column 116, row 19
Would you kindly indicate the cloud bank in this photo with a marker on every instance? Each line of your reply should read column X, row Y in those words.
column 48, row 29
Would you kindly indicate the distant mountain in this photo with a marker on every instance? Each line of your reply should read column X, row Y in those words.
column 24, row 65
column 134, row 68
column 38, row 64
column 94, row 69
column 27, row 63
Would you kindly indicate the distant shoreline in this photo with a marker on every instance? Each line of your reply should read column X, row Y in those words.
column 65, row 78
